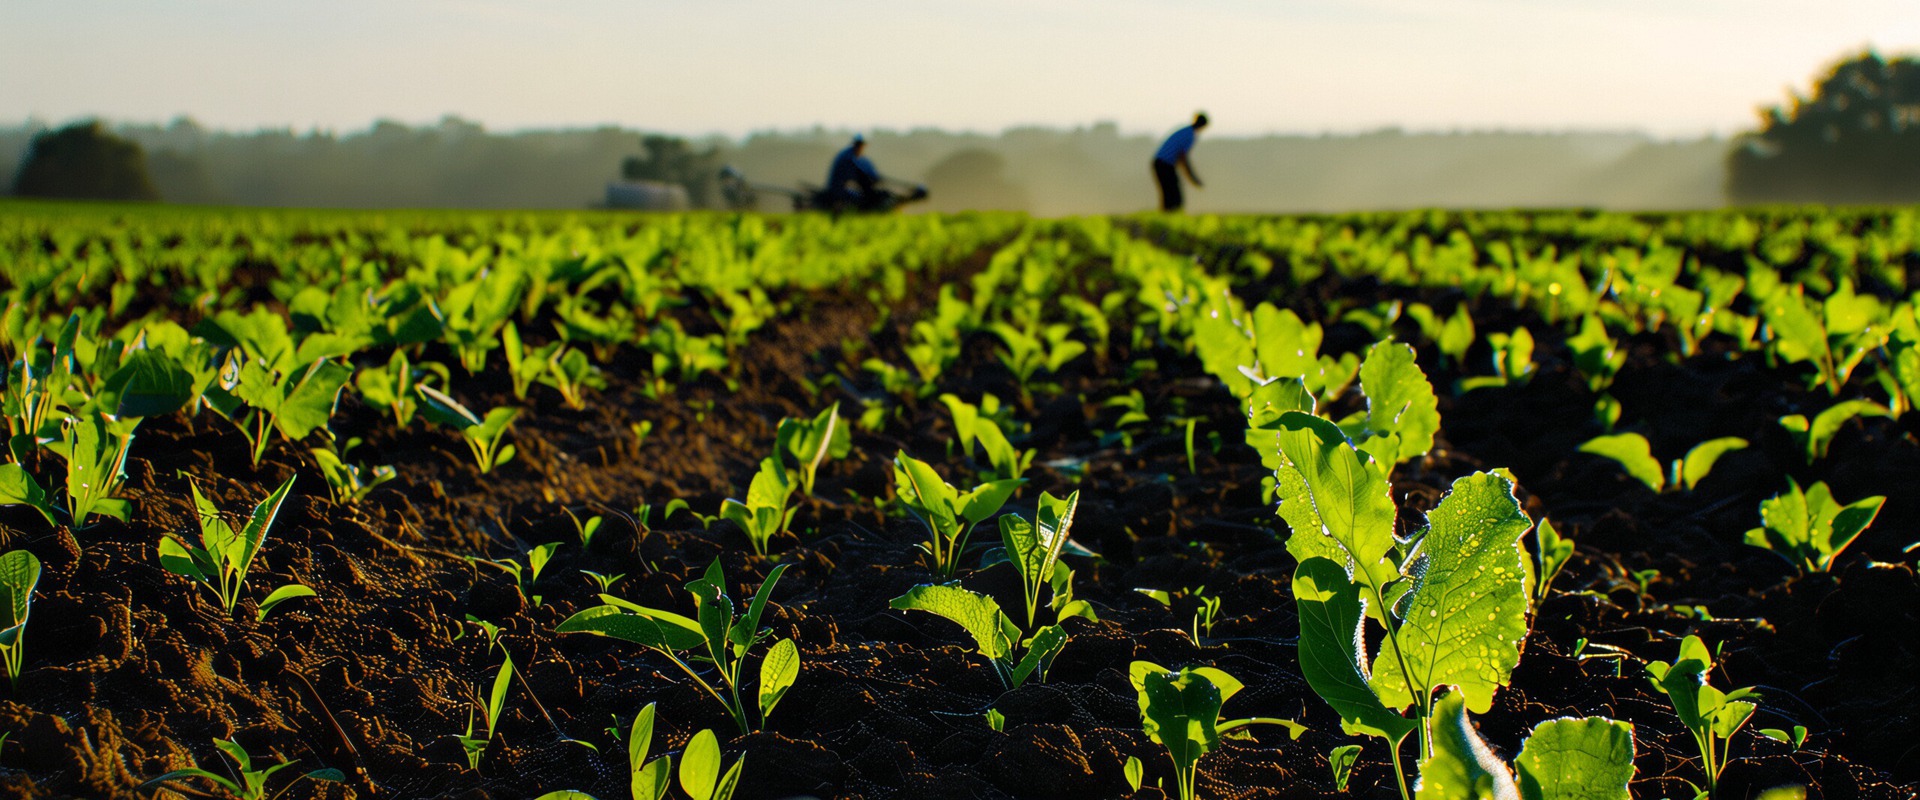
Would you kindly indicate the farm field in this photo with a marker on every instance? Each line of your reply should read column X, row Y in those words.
column 531, row 469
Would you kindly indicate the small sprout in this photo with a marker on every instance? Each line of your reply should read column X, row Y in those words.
column 1797, row 737
column 643, row 513
column 1034, row 547
column 649, row 779
column 1817, row 435
column 524, row 577
column 765, row 512
column 585, row 530
column 806, row 444
column 603, row 582
column 490, row 705
column 1809, row 528
column 349, row 482
column 995, row 719
column 1181, row 711
column 994, row 634
column 1554, row 553
column 221, row 558
column 1636, row 456
column 1341, row 760
column 252, row 784
column 281, row 595
column 1712, row 716
column 948, row 514
column 484, row 435
column 640, row 431
column 1135, row 772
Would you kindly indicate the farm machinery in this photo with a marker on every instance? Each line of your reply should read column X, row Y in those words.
column 888, row 195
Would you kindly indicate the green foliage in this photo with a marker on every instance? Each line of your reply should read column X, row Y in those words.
column 1817, row 435
column 1796, row 737
column 490, row 706
column 222, row 557
column 807, row 444
column 1634, row 454
column 717, row 637
column 268, row 382
column 252, row 783
column 994, row 634
column 19, row 572
column 524, row 577
column 95, row 448
column 700, row 769
column 981, row 425
column 1563, row 759
column 1341, row 760
column 1808, row 527
column 393, row 387
column 764, row 513
column 1181, row 711
column 17, row 487
column 948, row 514
column 1034, row 547
column 84, row 161
column 281, row 595
column 1596, row 355
column 349, row 482
column 483, row 435
column 1402, row 412
column 1712, row 716
column 1553, row 553
column 648, row 779
column 1206, row 608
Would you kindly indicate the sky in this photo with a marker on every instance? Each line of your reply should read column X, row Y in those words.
column 1672, row 68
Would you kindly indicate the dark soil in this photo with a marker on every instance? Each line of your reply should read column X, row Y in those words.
column 132, row 671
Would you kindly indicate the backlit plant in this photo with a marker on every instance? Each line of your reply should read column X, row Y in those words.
column 1809, row 527
column 222, row 556
column 1180, row 710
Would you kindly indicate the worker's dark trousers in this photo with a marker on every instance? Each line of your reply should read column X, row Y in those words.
column 1170, row 199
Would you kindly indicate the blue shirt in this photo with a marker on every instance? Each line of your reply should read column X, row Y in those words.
column 849, row 168
column 1176, row 146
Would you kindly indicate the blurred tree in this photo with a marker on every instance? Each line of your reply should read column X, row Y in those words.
column 973, row 179
column 84, row 162
column 669, row 159
column 1856, row 140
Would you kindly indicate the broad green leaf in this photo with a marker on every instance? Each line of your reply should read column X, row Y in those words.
column 309, row 399
column 1336, row 501
column 1180, row 711
column 1467, row 615
column 281, row 595
column 652, row 781
column 1287, row 347
column 730, row 781
column 1700, row 460
column 1633, row 453
column 660, row 630
column 1331, row 655
column 985, row 500
column 147, row 384
column 1577, row 759
column 1461, row 767
column 778, row 671
column 924, row 490
column 177, row 559
column 17, row 487
column 1341, row 760
column 993, row 633
column 700, row 766
column 567, row 794
column 1401, row 406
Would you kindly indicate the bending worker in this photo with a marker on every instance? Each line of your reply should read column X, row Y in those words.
column 850, row 167
column 1173, row 153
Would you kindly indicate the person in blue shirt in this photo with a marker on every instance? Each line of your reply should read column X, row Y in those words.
column 852, row 168
column 1173, row 154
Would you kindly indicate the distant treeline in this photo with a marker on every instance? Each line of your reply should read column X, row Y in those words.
column 1086, row 170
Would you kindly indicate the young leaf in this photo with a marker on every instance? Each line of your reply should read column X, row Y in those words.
column 1135, row 772
column 1341, row 760
column 1332, row 658
column 281, row 595
column 700, row 766
column 1402, row 411
column 660, row 630
column 1467, row 614
column 1633, row 453
column 1703, row 456
column 19, row 488
column 993, row 633
column 1335, row 501
column 1577, row 759
column 778, row 671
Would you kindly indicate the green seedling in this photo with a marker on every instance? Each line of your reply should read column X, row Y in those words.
column 995, row 635
column 1553, row 553
column 981, row 425
column 1512, row 361
column 648, row 779
column 948, row 514
column 251, row 783
column 569, row 372
column 603, row 582
column 483, row 435
column 1034, row 547
column 1834, row 334
column 1816, row 436
column 995, row 720
column 718, row 637
column 1452, row 597
column 1341, row 760
column 19, row 572
column 1712, row 716
column 764, row 513
column 585, row 530
column 1596, row 355
column 524, row 365
column 349, row 482
column 268, row 383
column 489, row 705
column 1206, row 608
column 640, row 431
column 806, row 444
column 1589, row 758
column 1634, row 454
column 1809, row 528
column 524, row 577
column 221, row 558
column 1135, row 772
column 1181, row 711
column 1796, row 737
column 392, row 387
column 281, row 595
column 1039, row 347
column 643, row 513
column 95, row 448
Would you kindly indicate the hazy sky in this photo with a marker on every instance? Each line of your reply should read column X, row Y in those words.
column 1671, row 67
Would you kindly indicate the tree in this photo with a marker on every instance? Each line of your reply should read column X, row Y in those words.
column 1855, row 140
column 670, row 159
column 84, row 162
column 974, row 179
